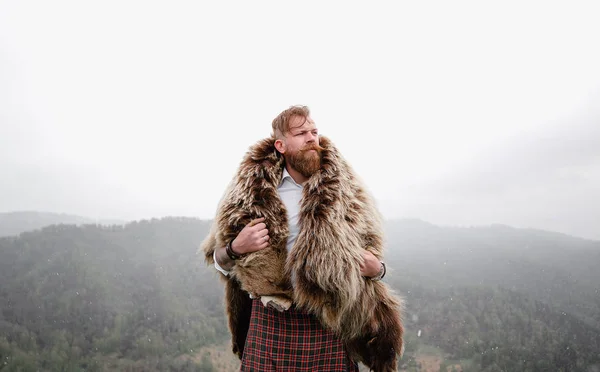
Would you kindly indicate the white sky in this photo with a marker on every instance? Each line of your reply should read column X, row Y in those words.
column 138, row 109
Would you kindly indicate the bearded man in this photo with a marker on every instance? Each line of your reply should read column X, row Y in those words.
column 299, row 243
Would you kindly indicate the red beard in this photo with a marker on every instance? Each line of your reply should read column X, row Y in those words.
column 305, row 161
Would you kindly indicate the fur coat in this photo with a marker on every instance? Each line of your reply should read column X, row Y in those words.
column 321, row 273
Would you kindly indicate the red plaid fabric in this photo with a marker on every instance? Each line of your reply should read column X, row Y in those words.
column 292, row 340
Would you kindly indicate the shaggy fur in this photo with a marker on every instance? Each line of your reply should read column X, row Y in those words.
column 337, row 221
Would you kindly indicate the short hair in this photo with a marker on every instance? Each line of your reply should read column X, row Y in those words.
column 281, row 124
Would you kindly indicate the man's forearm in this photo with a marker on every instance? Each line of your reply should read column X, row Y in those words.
column 223, row 259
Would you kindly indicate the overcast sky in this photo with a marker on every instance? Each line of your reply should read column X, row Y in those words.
column 462, row 113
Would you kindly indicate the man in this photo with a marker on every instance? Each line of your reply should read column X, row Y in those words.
column 299, row 243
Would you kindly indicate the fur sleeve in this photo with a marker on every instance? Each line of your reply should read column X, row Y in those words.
column 212, row 242
column 238, row 304
column 209, row 245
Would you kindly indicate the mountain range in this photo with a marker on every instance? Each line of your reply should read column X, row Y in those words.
column 84, row 296
column 14, row 223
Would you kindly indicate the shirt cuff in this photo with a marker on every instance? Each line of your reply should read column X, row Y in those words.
column 219, row 268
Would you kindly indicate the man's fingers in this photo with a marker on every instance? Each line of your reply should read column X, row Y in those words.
column 259, row 226
column 262, row 238
column 262, row 232
column 256, row 221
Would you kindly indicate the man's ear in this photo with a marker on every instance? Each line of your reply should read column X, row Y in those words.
column 280, row 146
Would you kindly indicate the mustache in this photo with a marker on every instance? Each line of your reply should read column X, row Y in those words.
column 312, row 146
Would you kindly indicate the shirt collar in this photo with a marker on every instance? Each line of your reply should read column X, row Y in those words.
column 285, row 175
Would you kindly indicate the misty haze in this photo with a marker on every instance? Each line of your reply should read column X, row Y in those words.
column 476, row 129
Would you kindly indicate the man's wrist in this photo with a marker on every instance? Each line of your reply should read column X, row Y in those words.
column 381, row 273
column 230, row 252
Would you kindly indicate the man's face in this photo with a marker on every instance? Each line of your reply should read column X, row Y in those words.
column 301, row 146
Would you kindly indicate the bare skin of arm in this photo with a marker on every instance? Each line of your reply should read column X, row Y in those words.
column 370, row 266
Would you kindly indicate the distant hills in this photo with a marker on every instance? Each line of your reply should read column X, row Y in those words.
column 14, row 223
column 103, row 298
column 552, row 267
column 137, row 297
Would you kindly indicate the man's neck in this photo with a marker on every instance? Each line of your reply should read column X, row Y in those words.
column 297, row 176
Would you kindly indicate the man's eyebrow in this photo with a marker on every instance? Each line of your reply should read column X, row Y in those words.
column 297, row 130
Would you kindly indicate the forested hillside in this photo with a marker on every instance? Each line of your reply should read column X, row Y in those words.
column 14, row 223
column 104, row 298
column 138, row 298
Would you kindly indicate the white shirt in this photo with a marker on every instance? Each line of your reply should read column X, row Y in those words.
column 290, row 193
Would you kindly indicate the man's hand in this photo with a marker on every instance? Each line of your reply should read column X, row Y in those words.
column 253, row 237
column 371, row 266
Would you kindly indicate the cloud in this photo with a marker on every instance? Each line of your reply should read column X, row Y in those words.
column 548, row 178
column 558, row 156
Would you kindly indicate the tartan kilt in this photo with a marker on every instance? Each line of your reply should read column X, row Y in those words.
column 292, row 340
